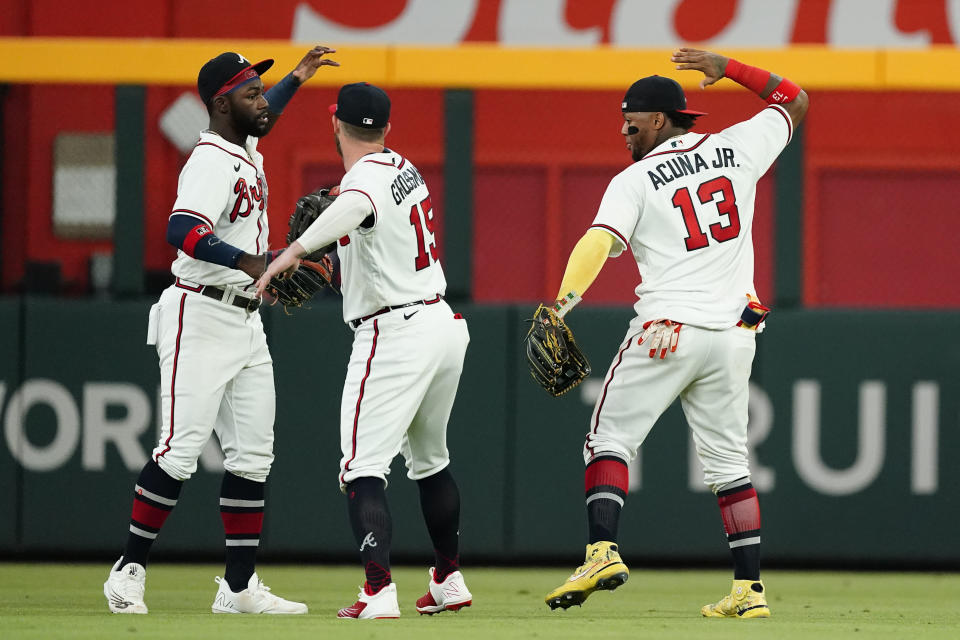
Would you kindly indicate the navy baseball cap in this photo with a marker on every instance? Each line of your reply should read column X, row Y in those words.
column 656, row 93
column 225, row 73
column 363, row 105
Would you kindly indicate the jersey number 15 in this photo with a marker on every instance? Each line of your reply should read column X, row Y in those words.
column 421, row 217
column 726, row 206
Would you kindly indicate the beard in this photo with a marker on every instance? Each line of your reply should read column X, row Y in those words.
column 251, row 126
column 636, row 154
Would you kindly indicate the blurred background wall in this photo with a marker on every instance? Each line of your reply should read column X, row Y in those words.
column 510, row 108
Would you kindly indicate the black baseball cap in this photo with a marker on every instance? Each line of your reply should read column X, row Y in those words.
column 656, row 93
column 225, row 73
column 363, row 105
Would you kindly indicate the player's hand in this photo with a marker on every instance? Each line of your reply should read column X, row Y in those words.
column 286, row 263
column 252, row 265
column 662, row 336
column 313, row 61
column 711, row 64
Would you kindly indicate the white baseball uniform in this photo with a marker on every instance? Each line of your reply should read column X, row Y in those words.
column 686, row 212
column 408, row 345
column 215, row 369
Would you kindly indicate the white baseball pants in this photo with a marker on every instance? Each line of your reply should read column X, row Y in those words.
column 216, row 374
column 709, row 371
column 399, row 390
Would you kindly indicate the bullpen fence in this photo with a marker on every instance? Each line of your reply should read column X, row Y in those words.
column 853, row 418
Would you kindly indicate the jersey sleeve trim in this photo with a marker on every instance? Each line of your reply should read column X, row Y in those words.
column 616, row 234
column 368, row 198
column 786, row 117
column 235, row 155
column 376, row 216
column 192, row 213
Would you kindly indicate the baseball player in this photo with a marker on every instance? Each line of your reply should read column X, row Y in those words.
column 685, row 210
column 408, row 351
column 215, row 369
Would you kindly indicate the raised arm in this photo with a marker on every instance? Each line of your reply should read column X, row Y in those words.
column 769, row 86
column 280, row 94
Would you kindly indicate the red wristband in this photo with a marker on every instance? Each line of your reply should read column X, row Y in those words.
column 193, row 237
column 786, row 91
column 751, row 77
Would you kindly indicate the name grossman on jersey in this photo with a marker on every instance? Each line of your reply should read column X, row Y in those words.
column 404, row 184
column 684, row 164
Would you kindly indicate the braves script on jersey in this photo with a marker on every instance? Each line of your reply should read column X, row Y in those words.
column 686, row 211
column 223, row 185
column 391, row 258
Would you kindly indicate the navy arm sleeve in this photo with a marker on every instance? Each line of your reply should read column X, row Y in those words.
column 195, row 238
column 279, row 94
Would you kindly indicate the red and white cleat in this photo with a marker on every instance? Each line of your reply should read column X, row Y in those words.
column 450, row 595
column 380, row 605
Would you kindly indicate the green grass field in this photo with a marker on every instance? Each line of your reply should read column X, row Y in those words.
column 65, row 601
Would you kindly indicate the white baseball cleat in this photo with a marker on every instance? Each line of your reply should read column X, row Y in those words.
column 450, row 595
column 256, row 598
column 124, row 588
column 382, row 604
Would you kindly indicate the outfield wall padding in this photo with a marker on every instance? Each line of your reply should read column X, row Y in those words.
column 853, row 416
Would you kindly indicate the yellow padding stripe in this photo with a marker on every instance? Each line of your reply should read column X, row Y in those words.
column 473, row 66
column 165, row 62
column 933, row 69
column 489, row 66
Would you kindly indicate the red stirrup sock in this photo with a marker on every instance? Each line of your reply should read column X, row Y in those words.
column 740, row 511
column 606, row 481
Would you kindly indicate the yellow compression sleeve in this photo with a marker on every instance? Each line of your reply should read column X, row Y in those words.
column 585, row 262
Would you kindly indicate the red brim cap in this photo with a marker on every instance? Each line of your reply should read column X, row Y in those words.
column 333, row 108
column 244, row 76
column 691, row 112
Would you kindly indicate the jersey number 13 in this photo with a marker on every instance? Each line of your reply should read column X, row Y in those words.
column 726, row 206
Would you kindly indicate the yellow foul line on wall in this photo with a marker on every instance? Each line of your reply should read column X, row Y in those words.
column 471, row 66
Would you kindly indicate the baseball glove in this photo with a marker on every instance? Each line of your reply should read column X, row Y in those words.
column 309, row 208
column 304, row 283
column 556, row 362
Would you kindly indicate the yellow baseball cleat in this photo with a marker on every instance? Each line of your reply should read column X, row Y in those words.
column 601, row 569
column 747, row 599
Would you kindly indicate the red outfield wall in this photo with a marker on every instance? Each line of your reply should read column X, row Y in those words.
column 882, row 183
column 882, row 178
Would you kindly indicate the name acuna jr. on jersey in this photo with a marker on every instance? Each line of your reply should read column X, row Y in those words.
column 683, row 165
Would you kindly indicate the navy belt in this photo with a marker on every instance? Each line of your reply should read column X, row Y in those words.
column 358, row 321
column 219, row 293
